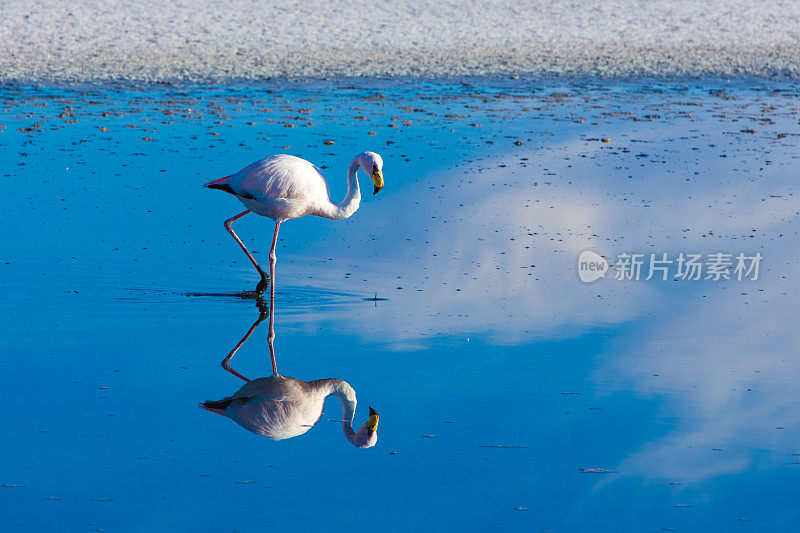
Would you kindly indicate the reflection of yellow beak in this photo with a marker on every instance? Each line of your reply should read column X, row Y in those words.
column 377, row 177
column 372, row 423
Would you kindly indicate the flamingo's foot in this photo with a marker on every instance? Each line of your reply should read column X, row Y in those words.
column 263, row 285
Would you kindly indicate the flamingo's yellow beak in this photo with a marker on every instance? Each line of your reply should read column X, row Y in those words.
column 377, row 178
column 372, row 423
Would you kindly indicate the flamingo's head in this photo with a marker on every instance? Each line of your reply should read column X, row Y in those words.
column 367, row 436
column 372, row 164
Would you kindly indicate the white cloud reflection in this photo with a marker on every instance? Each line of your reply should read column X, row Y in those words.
column 724, row 363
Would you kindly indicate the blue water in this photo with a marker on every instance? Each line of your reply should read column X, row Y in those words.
column 512, row 396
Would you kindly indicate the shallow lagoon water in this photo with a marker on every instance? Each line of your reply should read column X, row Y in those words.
column 512, row 396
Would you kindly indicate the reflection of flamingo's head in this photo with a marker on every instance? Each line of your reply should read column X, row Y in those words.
column 367, row 436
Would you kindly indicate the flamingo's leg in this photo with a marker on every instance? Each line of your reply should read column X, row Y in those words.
column 271, row 335
column 225, row 362
column 262, row 285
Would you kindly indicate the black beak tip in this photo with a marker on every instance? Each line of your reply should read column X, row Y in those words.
column 375, row 190
column 372, row 411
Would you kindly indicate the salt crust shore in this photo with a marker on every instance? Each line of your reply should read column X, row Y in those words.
column 193, row 40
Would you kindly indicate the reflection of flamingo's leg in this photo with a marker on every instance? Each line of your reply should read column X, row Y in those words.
column 271, row 334
column 262, row 285
column 225, row 362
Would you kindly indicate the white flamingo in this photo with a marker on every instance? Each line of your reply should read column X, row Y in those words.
column 281, row 187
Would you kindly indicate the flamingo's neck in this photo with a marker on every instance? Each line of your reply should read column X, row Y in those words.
column 348, row 206
column 342, row 390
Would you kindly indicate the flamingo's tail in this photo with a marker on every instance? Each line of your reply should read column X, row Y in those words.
column 220, row 184
column 216, row 406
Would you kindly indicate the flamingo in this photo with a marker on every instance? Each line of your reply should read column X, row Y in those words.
column 282, row 187
column 280, row 407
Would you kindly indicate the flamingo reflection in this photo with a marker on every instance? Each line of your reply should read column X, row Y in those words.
column 281, row 407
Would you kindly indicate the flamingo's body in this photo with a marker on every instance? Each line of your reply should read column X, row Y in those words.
column 279, row 187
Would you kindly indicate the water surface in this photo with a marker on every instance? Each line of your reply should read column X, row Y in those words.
column 512, row 396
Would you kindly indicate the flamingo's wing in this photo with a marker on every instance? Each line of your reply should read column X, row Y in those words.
column 279, row 176
column 268, row 389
